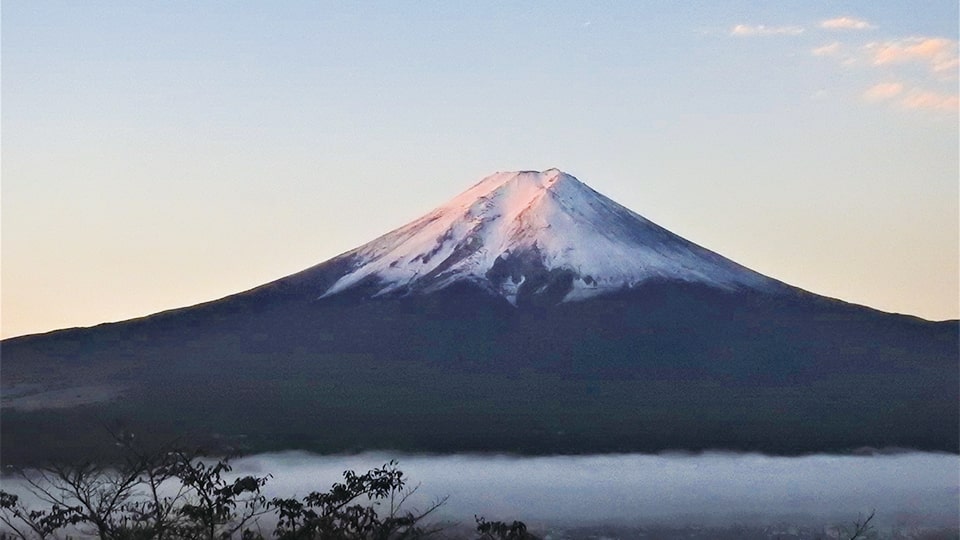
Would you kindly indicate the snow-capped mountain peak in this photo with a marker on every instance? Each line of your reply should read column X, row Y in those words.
column 529, row 233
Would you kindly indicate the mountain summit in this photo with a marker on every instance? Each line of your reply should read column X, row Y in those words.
column 528, row 233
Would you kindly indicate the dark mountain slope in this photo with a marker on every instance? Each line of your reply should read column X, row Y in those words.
column 665, row 366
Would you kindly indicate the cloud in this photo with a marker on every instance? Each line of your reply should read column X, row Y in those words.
column 883, row 91
column 819, row 94
column 939, row 54
column 914, row 98
column 709, row 488
column 935, row 101
column 827, row 50
column 845, row 23
column 762, row 30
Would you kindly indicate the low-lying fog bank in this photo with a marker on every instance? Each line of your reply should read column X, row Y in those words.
column 707, row 489
column 909, row 491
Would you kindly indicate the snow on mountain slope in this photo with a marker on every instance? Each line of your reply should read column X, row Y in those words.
column 523, row 232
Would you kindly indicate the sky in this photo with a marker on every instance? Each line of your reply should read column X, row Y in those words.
column 161, row 154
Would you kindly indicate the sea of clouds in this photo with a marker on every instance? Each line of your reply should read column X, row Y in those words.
column 712, row 489
column 907, row 490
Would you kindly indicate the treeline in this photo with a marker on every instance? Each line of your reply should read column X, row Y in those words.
column 170, row 494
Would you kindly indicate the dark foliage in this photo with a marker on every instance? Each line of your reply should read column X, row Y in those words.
column 341, row 514
column 498, row 530
column 171, row 494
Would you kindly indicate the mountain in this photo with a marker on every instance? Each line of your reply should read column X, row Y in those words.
column 522, row 234
column 530, row 314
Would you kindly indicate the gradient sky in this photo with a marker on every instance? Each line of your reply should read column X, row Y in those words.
column 160, row 154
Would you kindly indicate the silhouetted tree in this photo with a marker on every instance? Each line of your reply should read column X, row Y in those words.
column 498, row 530
column 340, row 514
column 861, row 528
column 169, row 494
column 157, row 494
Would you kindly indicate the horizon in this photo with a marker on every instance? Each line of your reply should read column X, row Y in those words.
column 161, row 156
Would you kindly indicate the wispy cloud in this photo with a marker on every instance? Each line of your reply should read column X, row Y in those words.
column 762, row 30
column 827, row 50
column 845, row 23
column 883, row 91
column 922, row 99
column 929, row 63
column 939, row 54
column 913, row 98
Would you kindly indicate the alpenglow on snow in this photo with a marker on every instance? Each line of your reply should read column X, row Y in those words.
column 528, row 232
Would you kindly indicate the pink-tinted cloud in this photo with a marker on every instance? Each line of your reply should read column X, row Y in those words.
column 940, row 54
column 831, row 49
column 913, row 98
column 762, row 30
column 845, row 23
column 883, row 91
column 921, row 99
